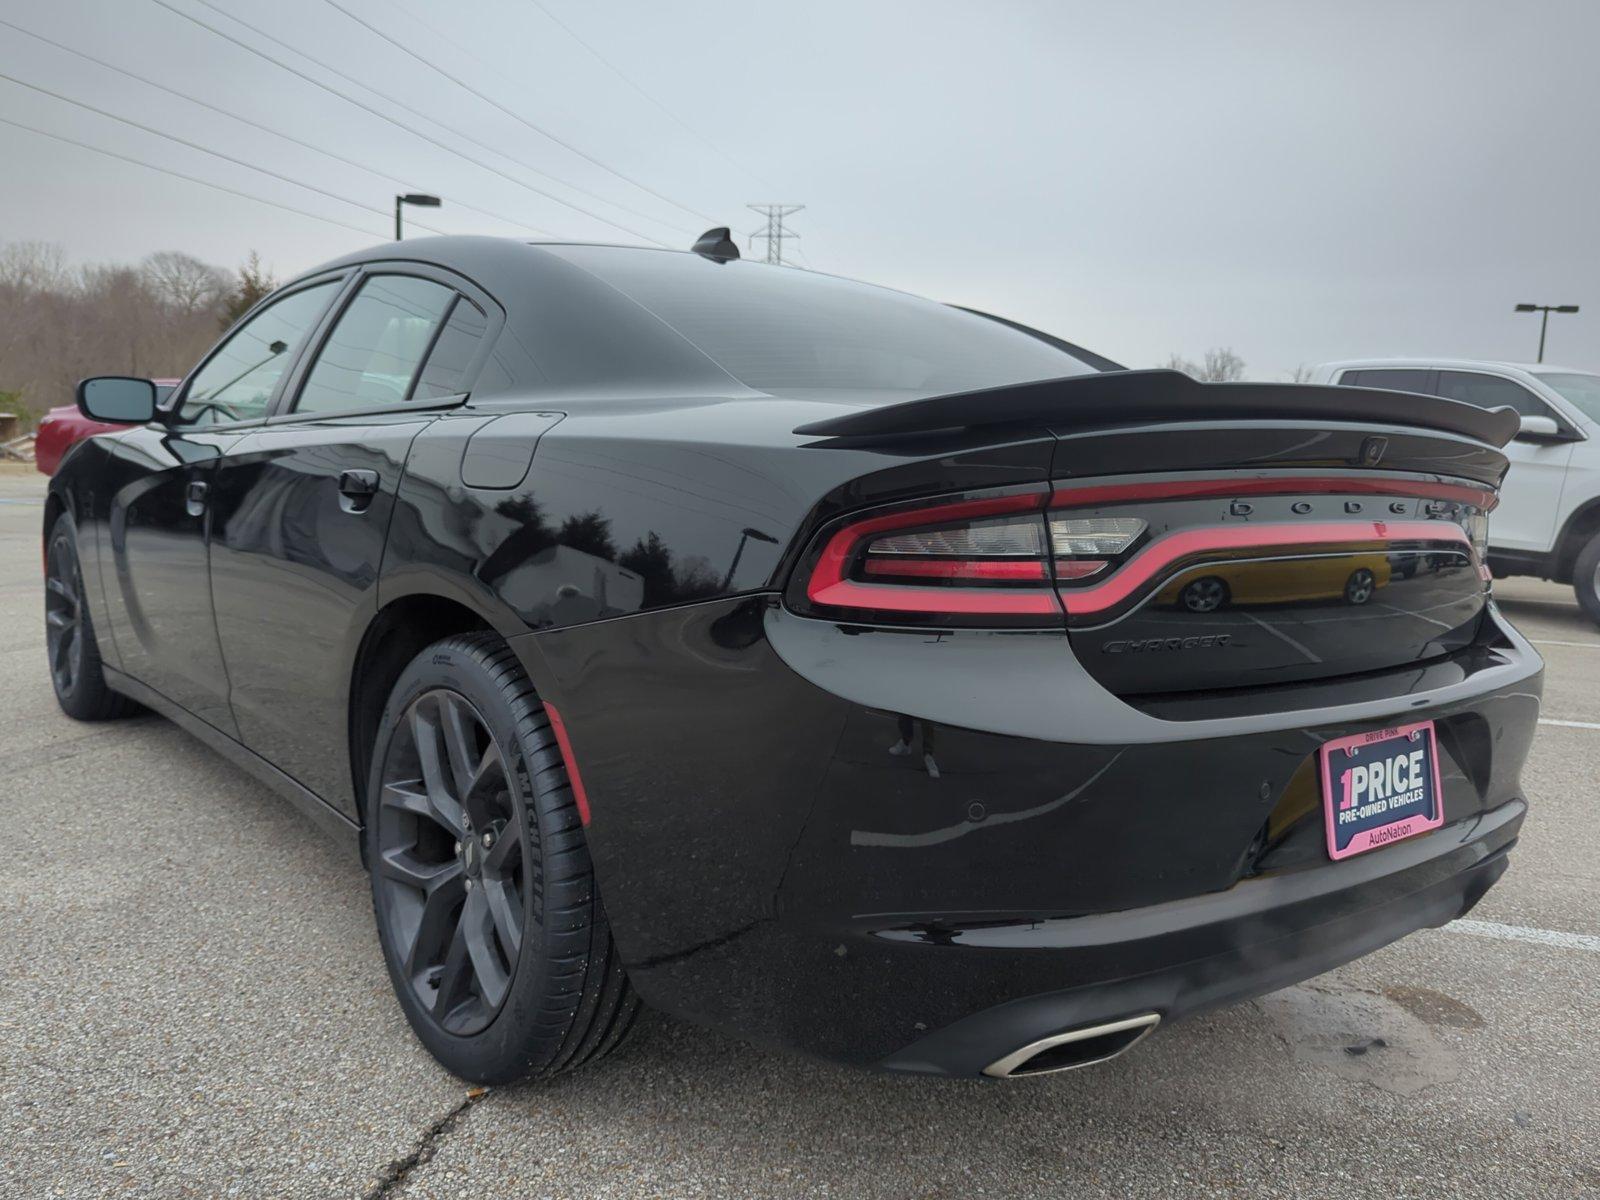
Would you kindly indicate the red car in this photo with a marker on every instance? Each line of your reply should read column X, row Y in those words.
column 63, row 427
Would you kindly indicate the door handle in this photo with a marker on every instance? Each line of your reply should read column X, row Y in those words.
column 357, row 488
column 358, row 484
column 194, row 497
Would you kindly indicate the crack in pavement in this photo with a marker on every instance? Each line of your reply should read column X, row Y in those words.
column 398, row 1171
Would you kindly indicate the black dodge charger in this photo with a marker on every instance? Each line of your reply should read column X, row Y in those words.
column 841, row 669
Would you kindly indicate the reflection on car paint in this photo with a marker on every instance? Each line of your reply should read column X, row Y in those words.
column 1353, row 578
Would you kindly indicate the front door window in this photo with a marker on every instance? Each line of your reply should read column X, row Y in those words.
column 238, row 381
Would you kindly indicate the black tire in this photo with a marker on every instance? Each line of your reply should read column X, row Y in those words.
column 72, row 653
column 492, row 1000
column 1586, row 578
column 1361, row 585
column 1204, row 595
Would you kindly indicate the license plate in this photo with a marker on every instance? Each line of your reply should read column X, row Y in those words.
column 1380, row 787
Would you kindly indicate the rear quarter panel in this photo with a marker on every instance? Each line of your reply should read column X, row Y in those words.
column 629, row 507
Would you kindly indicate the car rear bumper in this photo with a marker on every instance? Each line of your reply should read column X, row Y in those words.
column 922, row 851
column 1179, row 959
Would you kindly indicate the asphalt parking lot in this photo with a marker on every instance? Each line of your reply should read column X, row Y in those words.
column 192, row 1003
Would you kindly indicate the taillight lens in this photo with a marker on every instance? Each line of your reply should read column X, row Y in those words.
column 1030, row 558
column 1073, row 537
column 990, row 561
column 1007, row 537
column 976, row 561
column 1477, row 527
column 1084, row 546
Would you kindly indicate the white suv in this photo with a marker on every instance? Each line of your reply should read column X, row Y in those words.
column 1548, row 520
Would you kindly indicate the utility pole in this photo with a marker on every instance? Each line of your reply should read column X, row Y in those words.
column 1544, row 319
column 774, row 233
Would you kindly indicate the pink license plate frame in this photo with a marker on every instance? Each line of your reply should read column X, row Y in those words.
column 1345, row 790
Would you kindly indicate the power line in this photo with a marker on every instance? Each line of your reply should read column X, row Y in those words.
column 138, row 162
column 617, row 71
column 383, row 116
column 238, row 162
column 460, row 133
column 606, row 200
column 774, row 233
column 402, row 105
column 515, row 116
column 374, row 171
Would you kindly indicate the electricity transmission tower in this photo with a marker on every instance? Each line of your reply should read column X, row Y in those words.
column 774, row 233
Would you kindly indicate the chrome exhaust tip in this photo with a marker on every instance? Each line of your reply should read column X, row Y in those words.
column 1076, row 1048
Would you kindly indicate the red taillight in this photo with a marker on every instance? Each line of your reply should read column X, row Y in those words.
column 1158, row 559
column 972, row 558
column 1038, row 557
column 997, row 558
column 974, row 570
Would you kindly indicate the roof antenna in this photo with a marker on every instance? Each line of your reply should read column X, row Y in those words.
column 717, row 245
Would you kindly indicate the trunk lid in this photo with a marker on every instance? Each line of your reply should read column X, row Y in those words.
column 1253, row 589
column 1277, row 551
column 1284, row 533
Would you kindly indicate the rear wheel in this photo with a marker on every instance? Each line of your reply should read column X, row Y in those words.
column 494, row 935
column 1359, row 587
column 75, row 669
column 1586, row 578
column 1204, row 595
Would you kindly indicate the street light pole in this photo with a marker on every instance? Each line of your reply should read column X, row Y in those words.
column 738, row 552
column 420, row 199
column 1544, row 320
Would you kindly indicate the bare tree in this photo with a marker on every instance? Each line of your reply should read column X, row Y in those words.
column 1220, row 365
column 183, row 281
column 1301, row 374
column 30, row 266
column 59, row 323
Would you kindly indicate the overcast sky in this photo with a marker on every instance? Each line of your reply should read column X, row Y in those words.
column 1299, row 181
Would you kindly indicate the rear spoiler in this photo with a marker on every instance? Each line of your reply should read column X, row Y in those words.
column 1114, row 398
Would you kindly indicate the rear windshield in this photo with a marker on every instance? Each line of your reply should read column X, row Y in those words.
column 784, row 329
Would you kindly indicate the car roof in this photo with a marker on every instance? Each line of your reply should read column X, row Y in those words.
column 583, row 320
column 481, row 254
column 1454, row 364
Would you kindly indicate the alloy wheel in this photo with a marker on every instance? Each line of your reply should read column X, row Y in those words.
column 1360, row 586
column 63, row 615
column 1205, row 595
column 451, row 861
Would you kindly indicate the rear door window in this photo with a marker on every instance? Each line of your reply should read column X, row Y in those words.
column 373, row 353
column 445, row 372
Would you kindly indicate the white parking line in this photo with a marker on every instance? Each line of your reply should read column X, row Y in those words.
column 1523, row 933
column 1406, row 612
column 1278, row 633
column 1570, row 724
column 1548, row 642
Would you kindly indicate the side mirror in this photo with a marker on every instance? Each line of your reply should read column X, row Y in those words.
column 1540, row 429
column 118, row 399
